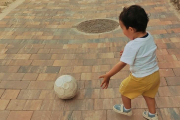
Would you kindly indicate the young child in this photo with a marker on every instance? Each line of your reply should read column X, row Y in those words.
column 140, row 54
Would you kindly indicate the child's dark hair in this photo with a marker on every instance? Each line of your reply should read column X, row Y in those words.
column 135, row 17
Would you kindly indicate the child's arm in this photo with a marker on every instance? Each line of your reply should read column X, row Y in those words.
column 121, row 52
column 112, row 72
column 116, row 68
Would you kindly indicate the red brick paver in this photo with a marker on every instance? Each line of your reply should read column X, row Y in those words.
column 38, row 43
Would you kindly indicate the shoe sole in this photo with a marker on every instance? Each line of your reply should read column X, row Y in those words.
column 122, row 112
column 145, row 116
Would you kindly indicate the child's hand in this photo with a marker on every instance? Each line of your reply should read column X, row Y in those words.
column 105, row 82
column 121, row 52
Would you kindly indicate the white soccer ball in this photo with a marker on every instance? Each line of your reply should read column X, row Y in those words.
column 65, row 87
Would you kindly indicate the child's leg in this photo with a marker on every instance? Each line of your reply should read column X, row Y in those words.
column 126, row 102
column 151, row 104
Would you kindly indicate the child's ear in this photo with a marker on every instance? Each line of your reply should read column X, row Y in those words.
column 132, row 29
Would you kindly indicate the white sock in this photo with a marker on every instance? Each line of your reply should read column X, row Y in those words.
column 127, row 109
column 151, row 115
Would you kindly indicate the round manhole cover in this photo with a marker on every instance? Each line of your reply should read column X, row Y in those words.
column 97, row 26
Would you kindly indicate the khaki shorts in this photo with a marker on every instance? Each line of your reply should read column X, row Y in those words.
column 132, row 87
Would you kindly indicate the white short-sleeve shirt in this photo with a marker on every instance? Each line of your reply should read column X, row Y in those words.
column 140, row 54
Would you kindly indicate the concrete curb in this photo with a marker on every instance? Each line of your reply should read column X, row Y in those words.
column 10, row 8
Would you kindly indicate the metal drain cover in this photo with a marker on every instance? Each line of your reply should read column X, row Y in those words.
column 97, row 26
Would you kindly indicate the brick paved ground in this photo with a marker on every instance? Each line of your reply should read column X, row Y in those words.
column 38, row 43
